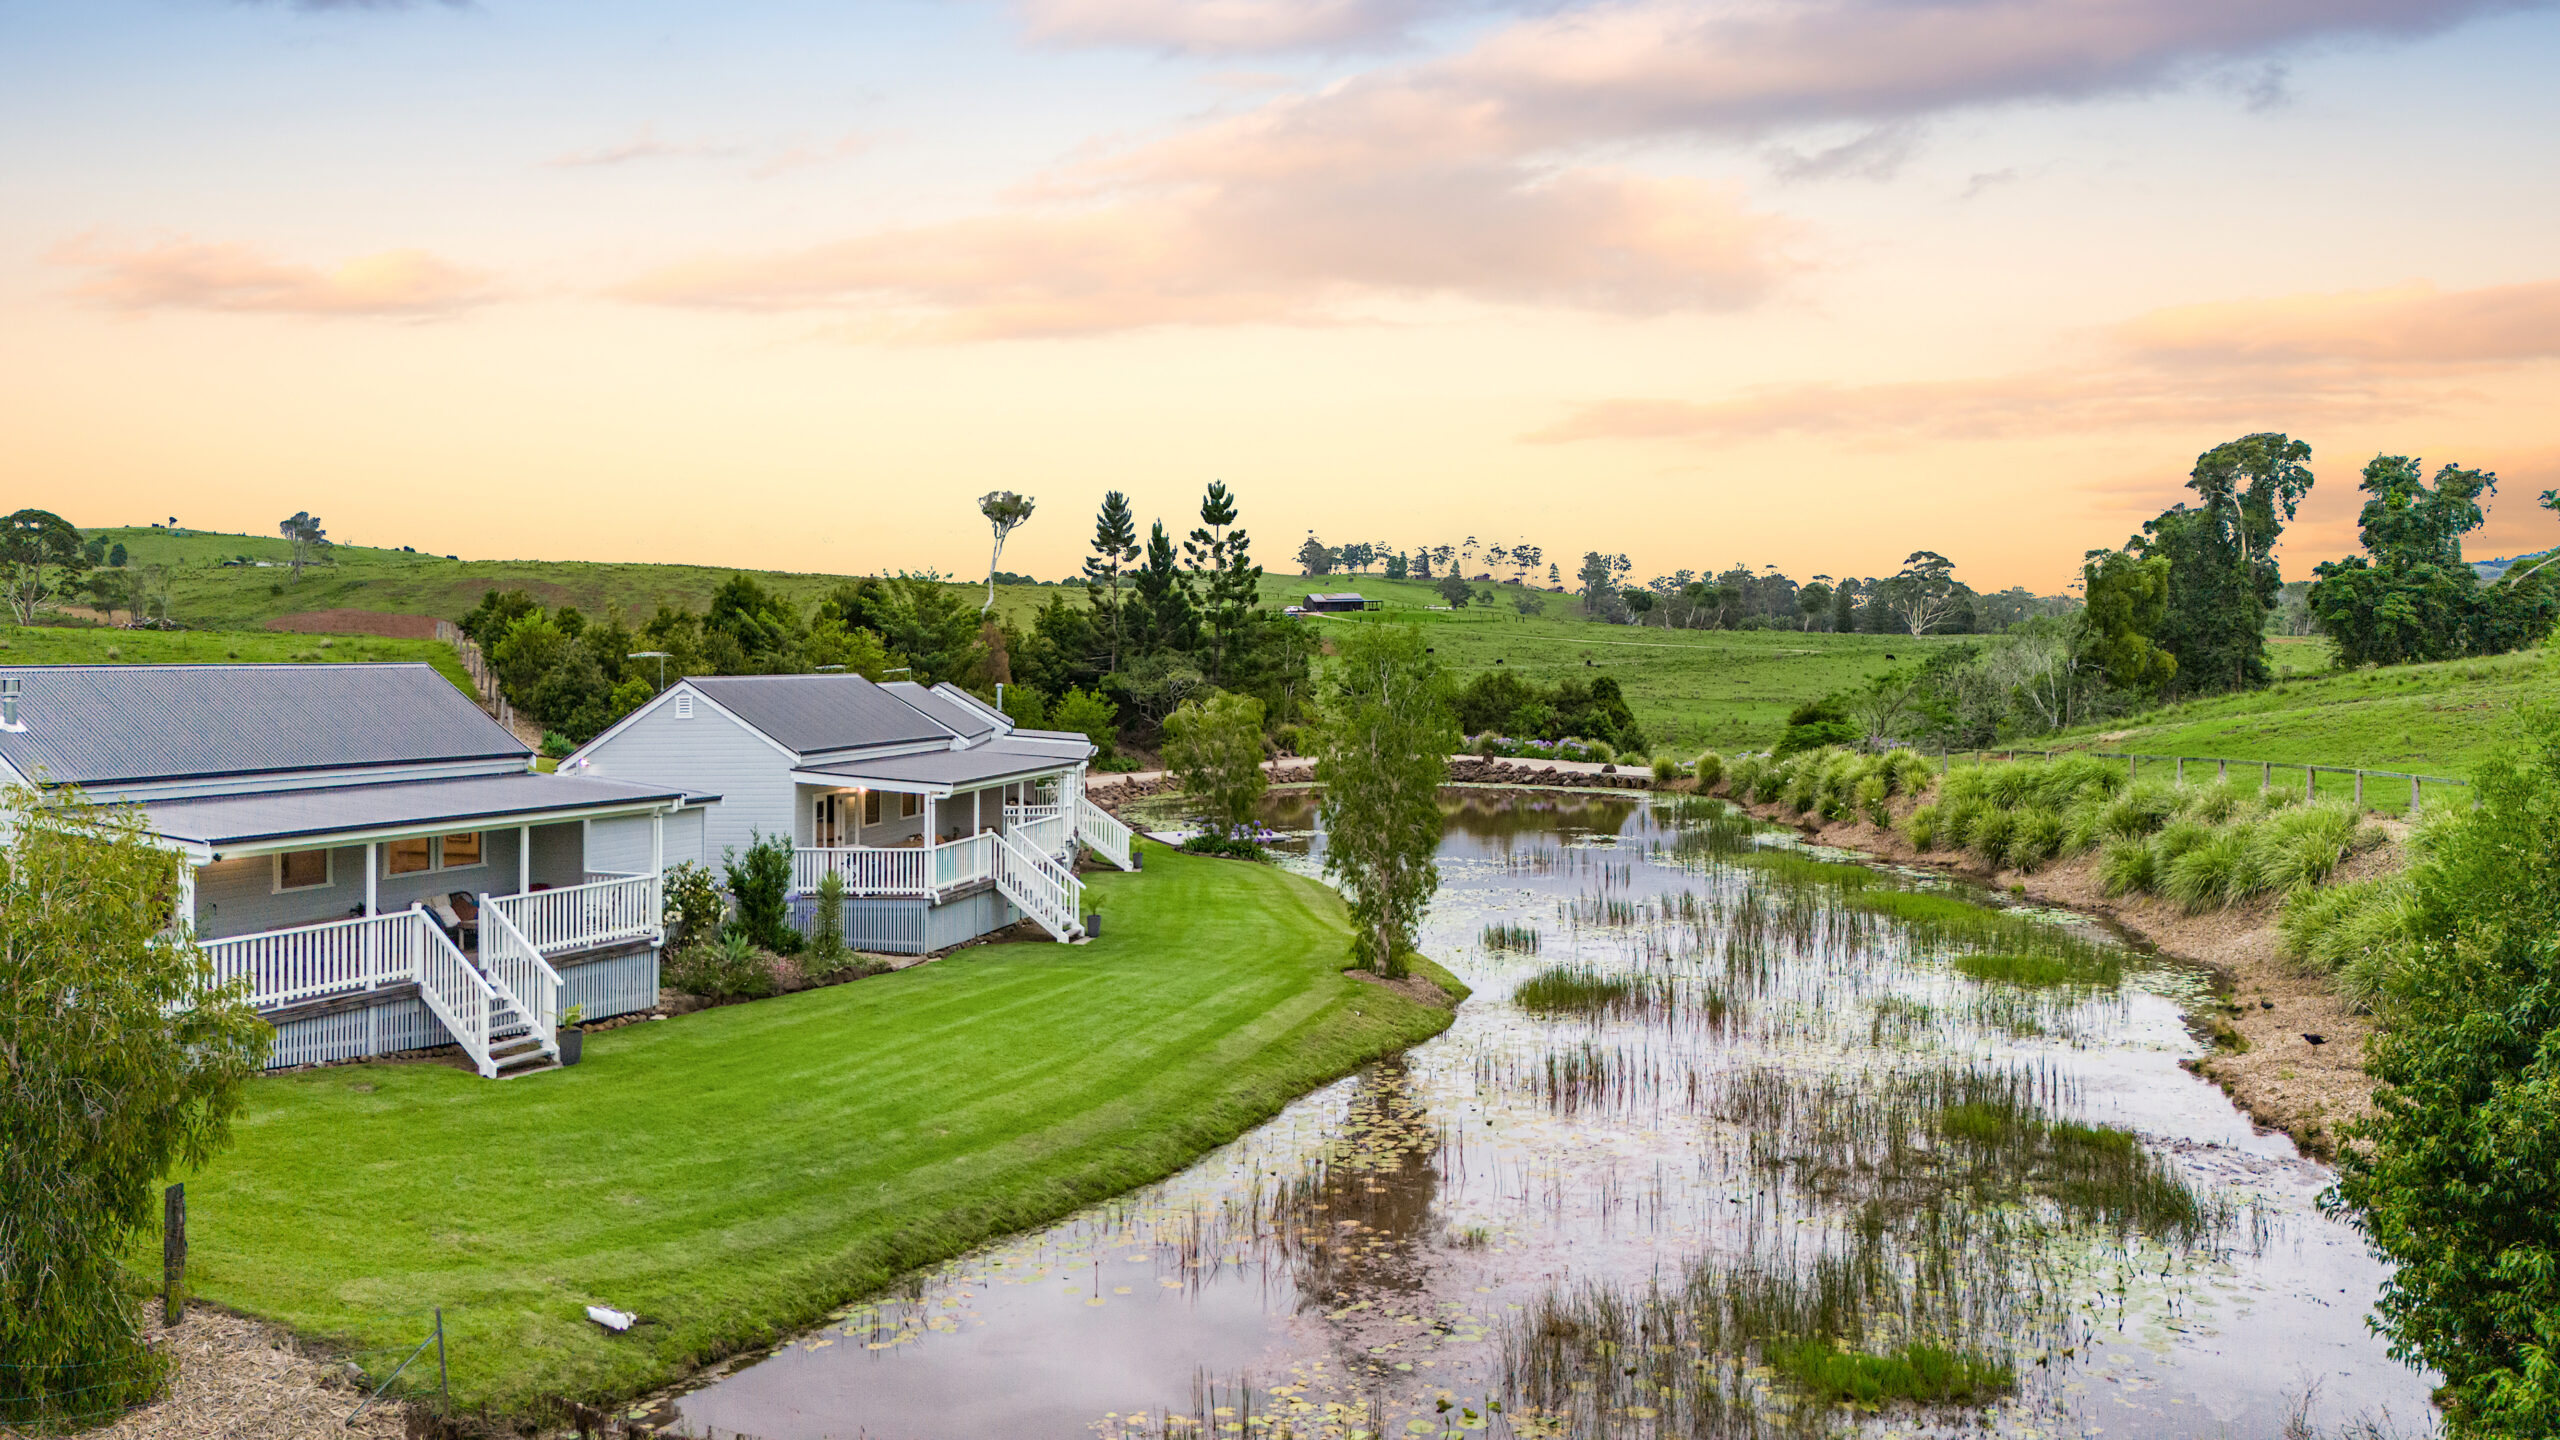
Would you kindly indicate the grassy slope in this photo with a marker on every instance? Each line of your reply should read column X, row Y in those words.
column 735, row 1174
column 2432, row 719
column 50, row 645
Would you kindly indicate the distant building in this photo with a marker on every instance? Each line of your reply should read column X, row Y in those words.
column 1344, row 600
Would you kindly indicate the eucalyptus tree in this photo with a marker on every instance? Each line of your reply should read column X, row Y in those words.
column 1005, row 511
column 1383, row 752
column 40, row 556
column 1213, row 746
column 2223, row 579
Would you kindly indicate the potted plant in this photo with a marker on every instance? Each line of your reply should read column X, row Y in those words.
column 573, row 1039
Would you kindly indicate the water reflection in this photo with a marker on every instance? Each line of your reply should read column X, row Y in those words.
column 1745, row 1090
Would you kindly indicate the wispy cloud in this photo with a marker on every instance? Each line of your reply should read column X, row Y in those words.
column 1226, row 27
column 2251, row 362
column 192, row 275
column 646, row 145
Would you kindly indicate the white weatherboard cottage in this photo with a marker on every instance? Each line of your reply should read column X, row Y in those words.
column 366, row 849
column 945, row 819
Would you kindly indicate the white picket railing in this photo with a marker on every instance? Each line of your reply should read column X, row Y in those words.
column 596, row 913
column 964, row 862
column 285, row 967
column 866, row 870
column 455, row 993
column 1103, row 831
column 1041, row 887
column 1042, row 827
column 516, row 970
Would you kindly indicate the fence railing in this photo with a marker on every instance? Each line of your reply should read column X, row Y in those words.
column 1103, row 831
column 285, row 967
column 964, row 862
column 623, row 907
column 457, row 994
column 1042, row 827
column 2266, row 769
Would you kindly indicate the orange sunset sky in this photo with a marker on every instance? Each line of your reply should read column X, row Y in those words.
column 1807, row 284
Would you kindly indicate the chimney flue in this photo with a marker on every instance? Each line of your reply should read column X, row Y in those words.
column 9, row 704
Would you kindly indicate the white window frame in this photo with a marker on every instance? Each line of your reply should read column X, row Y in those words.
column 435, row 856
column 275, row 881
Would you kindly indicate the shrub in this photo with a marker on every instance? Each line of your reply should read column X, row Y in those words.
column 1989, row 836
column 2222, row 869
column 694, row 907
column 760, row 883
column 1235, row 847
column 2451, row 1179
column 2036, row 840
column 1771, row 781
column 1214, row 749
column 1709, row 769
column 2180, row 836
column 1871, row 799
column 2139, row 810
column 2298, row 848
column 1600, row 750
column 1089, row 715
column 1956, row 819
column 1288, row 738
column 730, row 968
column 2220, row 804
column 2128, row 867
column 1666, row 770
column 1907, row 772
column 827, row 950
column 1920, row 827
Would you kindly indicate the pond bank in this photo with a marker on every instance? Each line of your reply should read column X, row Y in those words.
column 2277, row 1077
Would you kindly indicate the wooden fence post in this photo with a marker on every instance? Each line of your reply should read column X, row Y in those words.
column 2181, row 769
column 2132, row 764
column 173, row 1256
column 2223, row 773
column 2359, row 792
column 2266, row 776
column 2310, row 782
column 2413, row 797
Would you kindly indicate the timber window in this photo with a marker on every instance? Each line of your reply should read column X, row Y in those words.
column 424, row 853
column 303, row 870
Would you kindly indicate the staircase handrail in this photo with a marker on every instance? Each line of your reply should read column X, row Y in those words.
column 515, row 968
column 1107, row 833
column 456, row 994
column 1040, row 885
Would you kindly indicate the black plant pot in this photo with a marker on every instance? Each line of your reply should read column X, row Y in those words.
column 572, row 1042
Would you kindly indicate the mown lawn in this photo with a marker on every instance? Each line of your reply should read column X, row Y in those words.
column 99, row 645
column 735, row 1174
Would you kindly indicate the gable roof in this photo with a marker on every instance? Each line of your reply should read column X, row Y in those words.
column 137, row 724
column 957, row 716
column 816, row 714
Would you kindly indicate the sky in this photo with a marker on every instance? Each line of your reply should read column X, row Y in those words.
column 1804, row 283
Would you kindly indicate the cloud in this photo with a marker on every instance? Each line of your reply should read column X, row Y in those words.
column 1225, row 27
column 1251, row 223
column 643, row 146
column 190, row 275
column 1879, row 154
column 2270, row 363
column 2414, row 324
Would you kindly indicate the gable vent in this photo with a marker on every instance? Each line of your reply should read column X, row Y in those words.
column 684, row 705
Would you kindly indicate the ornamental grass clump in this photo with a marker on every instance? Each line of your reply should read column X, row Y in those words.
column 1666, row 770
column 2036, row 840
column 1709, row 769
column 1988, row 837
column 2128, row 867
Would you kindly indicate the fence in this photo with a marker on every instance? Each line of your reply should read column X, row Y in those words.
column 2354, row 776
column 483, row 678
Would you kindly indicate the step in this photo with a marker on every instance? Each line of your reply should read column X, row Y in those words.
column 549, row 1063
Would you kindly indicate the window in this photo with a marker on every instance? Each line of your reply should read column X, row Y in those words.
column 684, row 704
column 302, row 870
column 870, row 807
column 439, row 852
column 910, row 806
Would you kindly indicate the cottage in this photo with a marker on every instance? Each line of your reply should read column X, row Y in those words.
column 945, row 820
column 366, row 850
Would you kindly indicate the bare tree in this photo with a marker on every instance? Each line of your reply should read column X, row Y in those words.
column 2035, row 667
column 1004, row 510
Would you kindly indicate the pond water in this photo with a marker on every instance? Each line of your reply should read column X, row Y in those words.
column 1721, row 1112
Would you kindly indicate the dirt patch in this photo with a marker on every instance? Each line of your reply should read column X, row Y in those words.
column 2275, row 1075
column 240, row 1377
column 357, row 622
column 1421, row 990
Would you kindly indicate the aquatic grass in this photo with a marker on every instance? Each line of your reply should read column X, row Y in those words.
column 1919, row 1372
column 1897, row 1021
column 1793, row 867
column 1512, row 939
column 2093, row 967
column 1589, row 990
column 1709, row 768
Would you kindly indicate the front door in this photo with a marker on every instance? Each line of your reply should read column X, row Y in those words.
column 826, row 822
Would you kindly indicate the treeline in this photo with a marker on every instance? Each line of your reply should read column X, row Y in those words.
column 1923, row 598
column 1153, row 624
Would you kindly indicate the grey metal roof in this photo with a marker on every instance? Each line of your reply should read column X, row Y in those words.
column 941, row 709
column 464, row 803
column 987, row 764
column 815, row 714
column 97, row 724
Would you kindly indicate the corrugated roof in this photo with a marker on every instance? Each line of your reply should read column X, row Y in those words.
column 463, row 803
column 101, row 724
column 987, row 764
column 942, row 710
column 813, row 714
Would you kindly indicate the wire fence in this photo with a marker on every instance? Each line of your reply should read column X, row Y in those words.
column 2341, row 782
column 59, row 1411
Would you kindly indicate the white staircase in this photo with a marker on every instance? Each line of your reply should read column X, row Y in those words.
column 1040, row 887
column 524, row 1026
column 1102, row 832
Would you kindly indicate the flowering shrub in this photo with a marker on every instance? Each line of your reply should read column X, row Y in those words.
column 1506, row 747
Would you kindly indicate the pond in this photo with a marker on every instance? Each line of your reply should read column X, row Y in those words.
column 1734, row 1138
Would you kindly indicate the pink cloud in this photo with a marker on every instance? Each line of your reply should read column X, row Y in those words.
column 2271, row 362
column 190, row 275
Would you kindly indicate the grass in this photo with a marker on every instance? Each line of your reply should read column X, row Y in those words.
column 736, row 1174
column 2097, row 967
column 86, row 645
column 1587, row 990
column 1919, row 1372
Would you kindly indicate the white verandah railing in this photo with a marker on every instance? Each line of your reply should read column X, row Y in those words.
column 910, row 870
column 602, row 911
column 287, row 967
column 1103, row 831
column 1042, row 827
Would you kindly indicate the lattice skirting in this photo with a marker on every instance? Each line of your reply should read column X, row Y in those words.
column 603, row 987
column 912, row 927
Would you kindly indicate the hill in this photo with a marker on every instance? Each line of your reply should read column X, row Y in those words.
column 82, row 645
